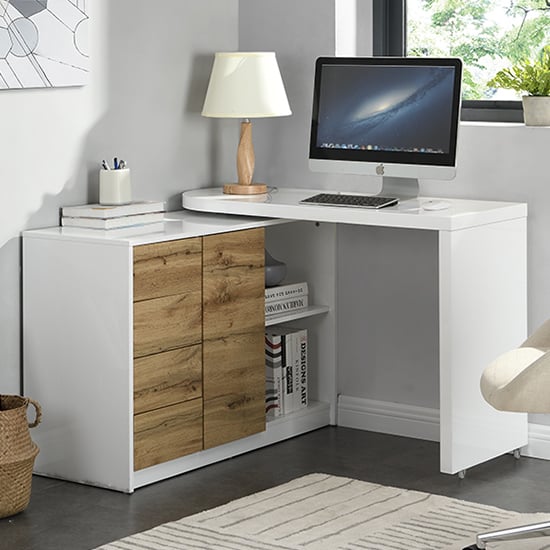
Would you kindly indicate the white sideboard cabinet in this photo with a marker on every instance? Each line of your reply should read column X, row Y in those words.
column 146, row 352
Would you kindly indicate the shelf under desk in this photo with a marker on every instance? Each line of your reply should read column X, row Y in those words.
column 481, row 300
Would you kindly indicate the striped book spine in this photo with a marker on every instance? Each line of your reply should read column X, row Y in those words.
column 274, row 375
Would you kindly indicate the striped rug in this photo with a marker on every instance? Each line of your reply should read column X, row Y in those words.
column 324, row 512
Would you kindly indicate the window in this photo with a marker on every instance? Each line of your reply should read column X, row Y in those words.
column 486, row 34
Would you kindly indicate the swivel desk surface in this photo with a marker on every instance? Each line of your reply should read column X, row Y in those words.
column 482, row 300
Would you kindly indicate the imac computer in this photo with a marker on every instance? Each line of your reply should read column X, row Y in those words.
column 394, row 117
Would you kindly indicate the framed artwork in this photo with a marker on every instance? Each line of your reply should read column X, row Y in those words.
column 43, row 43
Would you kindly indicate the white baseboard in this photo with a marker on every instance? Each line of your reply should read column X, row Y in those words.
column 389, row 418
column 418, row 422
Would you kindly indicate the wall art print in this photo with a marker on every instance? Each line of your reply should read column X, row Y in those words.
column 43, row 43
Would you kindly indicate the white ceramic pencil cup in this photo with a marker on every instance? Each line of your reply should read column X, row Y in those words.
column 115, row 186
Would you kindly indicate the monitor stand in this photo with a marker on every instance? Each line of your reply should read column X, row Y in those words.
column 400, row 188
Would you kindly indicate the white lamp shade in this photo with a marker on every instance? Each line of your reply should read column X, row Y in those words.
column 245, row 85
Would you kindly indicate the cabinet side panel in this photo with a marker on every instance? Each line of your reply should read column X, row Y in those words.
column 78, row 357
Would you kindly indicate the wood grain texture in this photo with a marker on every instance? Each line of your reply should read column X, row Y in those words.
column 167, row 433
column 245, row 155
column 233, row 387
column 167, row 268
column 167, row 378
column 233, row 349
column 162, row 324
column 233, row 283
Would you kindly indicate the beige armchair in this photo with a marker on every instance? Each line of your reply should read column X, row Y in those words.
column 519, row 381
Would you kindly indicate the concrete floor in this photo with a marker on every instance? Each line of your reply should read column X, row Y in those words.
column 69, row 516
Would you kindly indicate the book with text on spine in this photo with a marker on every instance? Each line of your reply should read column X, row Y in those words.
column 284, row 306
column 302, row 352
column 283, row 292
column 273, row 375
column 290, row 365
column 106, row 211
column 112, row 223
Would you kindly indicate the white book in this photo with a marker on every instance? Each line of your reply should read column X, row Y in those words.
column 273, row 375
column 284, row 306
column 103, row 211
column 130, row 231
column 290, row 363
column 282, row 292
column 302, row 352
column 112, row 223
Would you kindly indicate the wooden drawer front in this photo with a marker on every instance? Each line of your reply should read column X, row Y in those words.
column 233, row 388
column 233, row 283
column 163, row 269
column 167, row 378
column 167, row 433
column 167, row 323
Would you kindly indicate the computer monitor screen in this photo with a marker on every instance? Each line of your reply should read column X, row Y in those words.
column 387, row 116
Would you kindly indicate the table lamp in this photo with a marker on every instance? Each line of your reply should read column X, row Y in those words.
column 245, row 85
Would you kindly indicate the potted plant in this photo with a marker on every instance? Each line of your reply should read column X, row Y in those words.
column 532, row 79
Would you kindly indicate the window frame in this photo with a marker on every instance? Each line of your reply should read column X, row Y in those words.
column 389, row 38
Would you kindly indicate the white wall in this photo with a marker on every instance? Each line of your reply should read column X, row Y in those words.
column 149, row 72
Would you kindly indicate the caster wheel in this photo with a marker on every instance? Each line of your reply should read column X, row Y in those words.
column 462, row 475
column 517, row 454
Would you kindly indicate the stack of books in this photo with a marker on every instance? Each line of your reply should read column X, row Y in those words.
column 286, row 370
column 97, row 216
column 285, row 298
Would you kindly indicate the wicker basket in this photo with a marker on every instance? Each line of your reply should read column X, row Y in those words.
column 17, row 453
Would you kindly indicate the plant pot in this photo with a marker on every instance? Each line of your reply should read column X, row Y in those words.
column 275, row 271
column 536, row 110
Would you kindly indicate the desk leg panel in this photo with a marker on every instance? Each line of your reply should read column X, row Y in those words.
column 78, row 358
column 483, row 313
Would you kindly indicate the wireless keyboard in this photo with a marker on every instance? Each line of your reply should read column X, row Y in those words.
column 354, row 201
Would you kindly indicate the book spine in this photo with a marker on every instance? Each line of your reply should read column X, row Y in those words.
column 283, row 306
column 277, row 293
column 105, row 212
column 296, row 336
column 303, row 367
column 288, row 372
column 112, row 223
column 273, row 372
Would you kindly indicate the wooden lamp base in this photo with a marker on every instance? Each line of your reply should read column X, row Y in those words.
column 242, row 189
column 245, row 166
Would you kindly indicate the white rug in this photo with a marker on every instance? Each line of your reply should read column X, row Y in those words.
column 324, row 512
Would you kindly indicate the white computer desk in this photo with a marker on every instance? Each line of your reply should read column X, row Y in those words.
column 482, row 301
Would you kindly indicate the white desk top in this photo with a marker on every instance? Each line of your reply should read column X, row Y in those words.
column 285, row 203
column 181, row 224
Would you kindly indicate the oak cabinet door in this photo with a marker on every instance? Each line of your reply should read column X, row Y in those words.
column 167, row 433
column 167, row 378
column 234, row 388
column 233, row 333
column 166, row 268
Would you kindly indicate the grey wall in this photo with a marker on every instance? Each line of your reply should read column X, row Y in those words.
column 149, row 73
